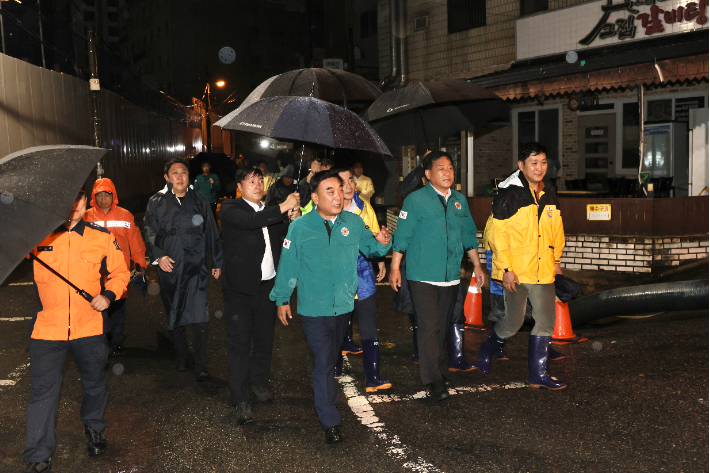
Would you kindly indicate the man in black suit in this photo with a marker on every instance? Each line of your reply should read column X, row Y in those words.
column 252, row 236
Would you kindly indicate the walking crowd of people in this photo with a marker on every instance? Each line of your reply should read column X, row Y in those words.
column 319, row 236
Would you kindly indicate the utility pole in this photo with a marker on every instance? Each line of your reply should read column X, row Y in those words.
column 208, row 120
column 95, row 88
column 41, row 38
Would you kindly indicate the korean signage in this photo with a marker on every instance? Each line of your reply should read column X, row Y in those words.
column 606, row 22
column 599, row 212
column 333, row 63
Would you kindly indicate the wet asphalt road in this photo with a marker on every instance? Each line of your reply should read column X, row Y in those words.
column 637, row 400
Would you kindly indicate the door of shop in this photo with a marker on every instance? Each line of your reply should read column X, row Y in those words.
column 597, row 149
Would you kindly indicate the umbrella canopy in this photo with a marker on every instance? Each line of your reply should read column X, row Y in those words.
column 307, row 120
column 426, row 110
column 332, row 85
column 38, row 187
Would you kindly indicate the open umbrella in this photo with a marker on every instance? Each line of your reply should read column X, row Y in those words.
column 309, row 120
column 426, row 110
column 38, row 187
column 332, row 85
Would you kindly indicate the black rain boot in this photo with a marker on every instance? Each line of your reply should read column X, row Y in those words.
column 488, row 348
column 371, row 365
column 457, row 362
column 537, row 362
column 415, row 354
column 348, row 344
column 500, row 353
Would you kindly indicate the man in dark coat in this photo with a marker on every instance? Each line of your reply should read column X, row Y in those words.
column 253, row 237
column 282, row 188
column 180, row 232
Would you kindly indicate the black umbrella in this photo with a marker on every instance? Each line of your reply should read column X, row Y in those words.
column 427, row 110
column 307, row 120
column 332, row 85
column 38, row 187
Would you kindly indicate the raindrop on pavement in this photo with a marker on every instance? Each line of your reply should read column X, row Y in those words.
column 218, row 314
column 154, row 289
column 6, row 198
column 197, row 220
column 117, row 369
column 597, row 346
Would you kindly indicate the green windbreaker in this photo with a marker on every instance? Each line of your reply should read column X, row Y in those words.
column 434, row 239
column 324, row 267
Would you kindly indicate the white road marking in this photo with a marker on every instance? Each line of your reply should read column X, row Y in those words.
column 14, row 319
column 21, row 283
column 376, row 399
column 15, row 374
column 361, row 407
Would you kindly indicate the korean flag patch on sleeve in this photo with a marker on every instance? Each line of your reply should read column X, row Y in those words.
column 403, row 215
column 287, row 243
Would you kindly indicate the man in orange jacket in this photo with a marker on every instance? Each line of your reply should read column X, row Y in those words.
column 106, row 213
column 66, row 322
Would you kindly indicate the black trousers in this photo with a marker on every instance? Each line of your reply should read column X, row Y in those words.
column 434, row 307
column 201, row 336
column 47, row 358
column 250, row 333
column 325, row 337
column 115, row 322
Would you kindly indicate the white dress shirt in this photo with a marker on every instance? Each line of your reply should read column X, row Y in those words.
column 268, row 271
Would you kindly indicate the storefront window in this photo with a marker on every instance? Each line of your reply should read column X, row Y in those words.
column 630, row 136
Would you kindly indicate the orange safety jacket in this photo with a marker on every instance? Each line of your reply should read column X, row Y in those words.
column 120, row 223
column 80, row 255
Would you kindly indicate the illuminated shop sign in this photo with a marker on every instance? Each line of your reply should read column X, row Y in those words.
column 606, row 22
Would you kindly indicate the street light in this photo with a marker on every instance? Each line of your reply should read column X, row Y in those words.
column 208, row 92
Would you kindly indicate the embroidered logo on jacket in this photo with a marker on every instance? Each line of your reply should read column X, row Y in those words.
column 457, row 205
column 287, row 243
column 345, row 231
column 403, row 215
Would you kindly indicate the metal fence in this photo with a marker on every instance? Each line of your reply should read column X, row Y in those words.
column 42, row 107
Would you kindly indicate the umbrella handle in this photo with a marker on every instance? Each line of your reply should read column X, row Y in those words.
column 85, row 295
column 300, row 164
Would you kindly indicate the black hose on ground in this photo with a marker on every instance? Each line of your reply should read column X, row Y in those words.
column 670, row 296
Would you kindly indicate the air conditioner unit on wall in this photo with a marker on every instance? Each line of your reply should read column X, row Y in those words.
column 421, row 22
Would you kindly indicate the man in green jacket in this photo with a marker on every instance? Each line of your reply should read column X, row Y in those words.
column 320, row 256
column 434, row 228
column 208, row 185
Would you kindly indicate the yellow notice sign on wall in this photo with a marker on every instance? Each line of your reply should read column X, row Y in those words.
column 599, row 212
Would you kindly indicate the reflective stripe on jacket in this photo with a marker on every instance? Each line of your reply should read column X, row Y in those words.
column 79, row 255
column 526, row 235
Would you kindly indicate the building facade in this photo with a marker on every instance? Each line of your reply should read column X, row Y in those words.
column 572, row 72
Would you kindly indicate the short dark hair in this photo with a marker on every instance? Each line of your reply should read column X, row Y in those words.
column 429, row 159
column 341, row 169
column 533, row 148
column 324, row 161
column 262, row 161
column 322, row 176
column 245, row 171
column 174, row 161
column 80, row 194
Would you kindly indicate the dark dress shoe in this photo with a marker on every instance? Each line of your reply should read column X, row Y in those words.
column 96, row 442
column 244, row 415
column 333, row 435
column 38, row 467
column 203, row 376
column 438, row 392
column 261, row 393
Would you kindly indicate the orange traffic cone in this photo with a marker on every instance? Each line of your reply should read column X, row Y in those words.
column 562, row 333
column 473, row 306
